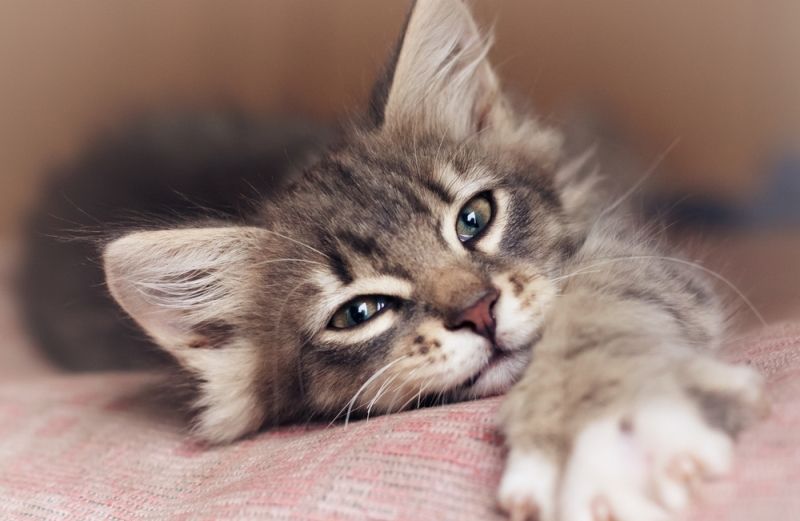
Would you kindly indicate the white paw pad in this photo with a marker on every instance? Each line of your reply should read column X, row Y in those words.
column 528, row 488
column 643, row 467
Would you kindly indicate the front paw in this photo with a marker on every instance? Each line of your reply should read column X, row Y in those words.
column 528, row 488
column 642, row 466
column 644, row 458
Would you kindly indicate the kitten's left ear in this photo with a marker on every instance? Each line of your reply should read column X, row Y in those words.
column 191, row 290
column 441, row 78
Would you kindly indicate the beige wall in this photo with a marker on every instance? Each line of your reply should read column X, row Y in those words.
column 723, row 75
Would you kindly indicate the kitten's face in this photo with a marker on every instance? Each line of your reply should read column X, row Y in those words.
column 424, row 271
column 413, row 263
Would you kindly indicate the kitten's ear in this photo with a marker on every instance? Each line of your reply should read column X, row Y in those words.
column 187, row 288
column 441, row 77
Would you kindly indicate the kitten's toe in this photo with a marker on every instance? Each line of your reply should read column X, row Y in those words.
column 673, row 433
column 601, row 510
column 644, row 466
column 680, row 482
column 731, row 396
column 522, row 509
column 683, row 450
column 750, row 386
column 528, row 487
column 606, row 477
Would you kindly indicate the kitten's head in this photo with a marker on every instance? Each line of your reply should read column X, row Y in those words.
column 412, row 263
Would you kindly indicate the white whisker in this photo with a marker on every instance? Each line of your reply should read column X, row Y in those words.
column 731, row 285
column 273, row 261
column 418, row 395
column 405, row 381
column 647, row 174
column 375, row 375
column 381, row 390
column 297, row 242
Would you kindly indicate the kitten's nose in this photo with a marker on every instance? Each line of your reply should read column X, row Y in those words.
column 478, row 315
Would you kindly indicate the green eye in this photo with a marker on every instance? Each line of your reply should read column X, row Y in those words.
column 474, row 217
column 359, row 310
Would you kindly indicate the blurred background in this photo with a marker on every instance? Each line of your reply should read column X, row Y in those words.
column 717, row 83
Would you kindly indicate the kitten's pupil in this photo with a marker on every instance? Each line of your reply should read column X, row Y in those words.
column 359, row 310
column 359, row 313
column 471, row 219
column 474, row 217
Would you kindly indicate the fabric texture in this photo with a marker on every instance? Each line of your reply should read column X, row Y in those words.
column 96, row 447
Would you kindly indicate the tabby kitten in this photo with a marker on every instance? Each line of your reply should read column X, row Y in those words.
column 447, row 250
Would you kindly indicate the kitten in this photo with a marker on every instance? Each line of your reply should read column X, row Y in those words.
column 448, row 250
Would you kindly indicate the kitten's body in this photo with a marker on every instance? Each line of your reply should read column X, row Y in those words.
column 449, row 250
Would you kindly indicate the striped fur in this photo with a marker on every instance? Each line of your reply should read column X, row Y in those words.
column 593, row 320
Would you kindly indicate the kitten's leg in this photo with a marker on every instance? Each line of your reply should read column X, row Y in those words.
column 618, row 415
column 534, row 432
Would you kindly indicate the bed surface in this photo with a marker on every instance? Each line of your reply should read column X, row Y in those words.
column 106, row 446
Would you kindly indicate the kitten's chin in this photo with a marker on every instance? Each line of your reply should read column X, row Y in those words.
column 497, row 377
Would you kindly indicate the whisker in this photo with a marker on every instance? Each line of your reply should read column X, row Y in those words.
column 418, row 395
column 647, row 174
column 408, row 377
column 301, row 243
column 381, row 390
column 422, row 390
column 272, row 261
column 349, row 405
column 695, row 265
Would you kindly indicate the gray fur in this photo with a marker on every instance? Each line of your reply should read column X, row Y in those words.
column 589, row 303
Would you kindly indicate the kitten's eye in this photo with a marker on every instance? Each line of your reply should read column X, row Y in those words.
column 359, row 310
column 474, row 217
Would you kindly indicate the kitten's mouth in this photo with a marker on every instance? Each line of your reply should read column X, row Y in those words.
column 497, row 358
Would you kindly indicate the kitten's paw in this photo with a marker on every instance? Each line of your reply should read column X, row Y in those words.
column 528, row 488
column 644, row 466
column 730, row 396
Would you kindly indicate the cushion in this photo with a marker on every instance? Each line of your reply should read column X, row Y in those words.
column 94, row 447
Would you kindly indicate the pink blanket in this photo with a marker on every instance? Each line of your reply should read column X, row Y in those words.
column 88, row 447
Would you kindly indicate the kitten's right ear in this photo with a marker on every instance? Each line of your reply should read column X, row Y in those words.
column 188, row 289
column 440, row 81
column 439, row 77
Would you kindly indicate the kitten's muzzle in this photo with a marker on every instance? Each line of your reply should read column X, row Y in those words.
column 478, row 315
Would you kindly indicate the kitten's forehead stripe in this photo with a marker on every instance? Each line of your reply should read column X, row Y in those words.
column 394, row 269
column 415, row 202
column 365, row 245
column 437, row 189
column 338, row 264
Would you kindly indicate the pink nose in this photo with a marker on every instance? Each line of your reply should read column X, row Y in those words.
column 478, row 315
